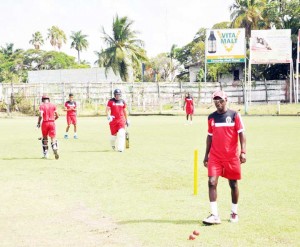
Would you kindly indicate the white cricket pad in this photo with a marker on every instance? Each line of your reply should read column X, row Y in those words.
column 113, row 140
column 121, row 140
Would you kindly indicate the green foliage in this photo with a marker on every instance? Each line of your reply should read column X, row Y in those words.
column 37, row 40
column 124, row 50
column 56, row 36
column 79, row 42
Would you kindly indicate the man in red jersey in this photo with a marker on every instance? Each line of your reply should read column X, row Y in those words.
column 71, row 109
column 117, row 117
column 49, row 114
column 222, row 156
column 189, row 108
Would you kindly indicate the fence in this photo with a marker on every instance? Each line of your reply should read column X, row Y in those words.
column 144, row 97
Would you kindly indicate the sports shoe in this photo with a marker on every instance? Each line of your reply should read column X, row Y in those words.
column 75, row 137
column 56, row 154
column 234, row 218
column 45, row 155
column 212, row 220
column 66, row 136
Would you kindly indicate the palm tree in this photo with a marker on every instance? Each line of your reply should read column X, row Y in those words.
column 56, row 36
column 79, row 42
column 37, row 40
column 247, row 14
column 124, row 50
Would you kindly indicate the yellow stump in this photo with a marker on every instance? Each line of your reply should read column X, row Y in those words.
column 195, row 172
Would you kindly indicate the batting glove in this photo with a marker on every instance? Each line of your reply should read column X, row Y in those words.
column 38, row 125
column 127, row 123
column 110, row 118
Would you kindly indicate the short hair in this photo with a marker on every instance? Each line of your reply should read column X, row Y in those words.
column 71, row 95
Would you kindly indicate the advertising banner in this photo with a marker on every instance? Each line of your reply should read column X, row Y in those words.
column 225, row 45
column 270, row 46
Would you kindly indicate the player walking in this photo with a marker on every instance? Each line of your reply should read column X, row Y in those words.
column 71, row 109
column 222, row 157
column 49, row 114
column 117, row 118
column 189, row 108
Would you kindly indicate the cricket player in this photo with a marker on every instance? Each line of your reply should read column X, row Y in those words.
column 188, row 105
column 222, row 156
column 71, row 109
column 49, row 114
column 117, row 118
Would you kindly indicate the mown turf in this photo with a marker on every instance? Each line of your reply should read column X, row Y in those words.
column 147, row 190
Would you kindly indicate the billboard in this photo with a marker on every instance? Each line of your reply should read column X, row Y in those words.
column 225, row 45
column 270, row 46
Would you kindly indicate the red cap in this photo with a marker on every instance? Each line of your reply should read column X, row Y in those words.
column 220, row 94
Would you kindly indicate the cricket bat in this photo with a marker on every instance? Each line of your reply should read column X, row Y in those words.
column 127, row 139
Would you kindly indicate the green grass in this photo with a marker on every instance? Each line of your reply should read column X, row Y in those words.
column 147, row 190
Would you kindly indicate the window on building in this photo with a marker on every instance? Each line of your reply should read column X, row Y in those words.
column 236, row 75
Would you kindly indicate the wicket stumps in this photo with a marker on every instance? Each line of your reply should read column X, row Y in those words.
column 195, row 172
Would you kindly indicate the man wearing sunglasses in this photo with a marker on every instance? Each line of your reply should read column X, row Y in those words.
column 222, row 156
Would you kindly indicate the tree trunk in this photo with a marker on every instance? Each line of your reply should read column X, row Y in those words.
column 78, row 56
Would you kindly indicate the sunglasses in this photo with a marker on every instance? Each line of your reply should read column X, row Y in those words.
column 216, row 101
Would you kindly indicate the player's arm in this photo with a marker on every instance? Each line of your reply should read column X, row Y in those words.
column 56, row 115
column 126, row 117
column 242, row 138
column 208, row 146
column 183, row 105
column 39, row 119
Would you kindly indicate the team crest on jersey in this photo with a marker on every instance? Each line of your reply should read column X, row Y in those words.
column 228, row 119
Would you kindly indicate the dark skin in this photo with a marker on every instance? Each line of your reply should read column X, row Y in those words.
column 213, row 180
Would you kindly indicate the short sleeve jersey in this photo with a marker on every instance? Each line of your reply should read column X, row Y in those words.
column 71, row 104
column 48, row 110
column 189, row 102
column 224, row 129
column 117, row 108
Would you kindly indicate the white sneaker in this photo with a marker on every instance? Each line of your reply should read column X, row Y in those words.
column 212, row 220
column 234, row 218
column 45, row 155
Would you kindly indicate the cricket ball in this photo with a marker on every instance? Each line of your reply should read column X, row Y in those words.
column 196, row 233
column 192, row 237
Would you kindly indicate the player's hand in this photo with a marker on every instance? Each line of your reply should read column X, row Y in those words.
column 127, row 122
column 243, row 158
column 205, row 161
column 38, row 125
column 110, row 118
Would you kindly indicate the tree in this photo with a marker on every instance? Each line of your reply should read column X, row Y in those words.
column 79, row 42
column 124, row 50
column 247, row 14
column 56, row 36
column 37, row 40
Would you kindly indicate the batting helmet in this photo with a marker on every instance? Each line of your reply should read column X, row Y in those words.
column 117, row 91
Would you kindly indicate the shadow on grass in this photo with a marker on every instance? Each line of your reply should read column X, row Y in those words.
column 22, row 158
column 176, row 222
column 92, row 151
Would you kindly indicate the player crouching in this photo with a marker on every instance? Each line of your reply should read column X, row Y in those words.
column 117, row 118
column 48, row 113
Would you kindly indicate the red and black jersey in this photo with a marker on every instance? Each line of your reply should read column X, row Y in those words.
column 224, row 129
column 71, row 104
column 117, row 108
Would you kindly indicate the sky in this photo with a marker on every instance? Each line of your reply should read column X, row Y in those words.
column 161, row 23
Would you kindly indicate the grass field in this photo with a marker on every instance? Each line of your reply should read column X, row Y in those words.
column 92, row 196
